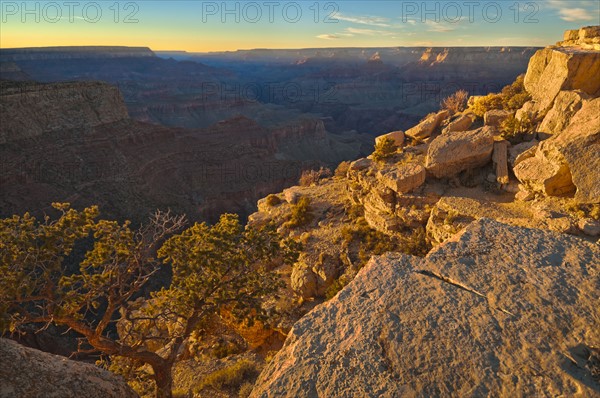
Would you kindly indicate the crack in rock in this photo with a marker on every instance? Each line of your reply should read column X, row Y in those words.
column 463, row 287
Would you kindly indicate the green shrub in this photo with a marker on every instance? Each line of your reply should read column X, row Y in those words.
column 273, row 200
column 355, row 212
column 384, row 149
column 487, row 103
column 229, row 377
column 513, row 129
column 512, row 97
column 301, row 213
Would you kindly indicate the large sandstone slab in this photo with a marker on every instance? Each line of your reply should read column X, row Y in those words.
column 461, row 123
column 26, row 372
column 566, row 105
column 553, row 70
column 403, row 178
column 424, row 129
column 396, row 136
column 450, row 154
column 479, row 316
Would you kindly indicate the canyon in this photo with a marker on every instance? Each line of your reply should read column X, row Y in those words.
column 461, row 257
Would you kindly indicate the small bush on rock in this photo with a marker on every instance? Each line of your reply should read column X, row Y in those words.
column 273, row 200
column 301, row 213
column 384, row 149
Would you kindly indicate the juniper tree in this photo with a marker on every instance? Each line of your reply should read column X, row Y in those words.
column 213, row 267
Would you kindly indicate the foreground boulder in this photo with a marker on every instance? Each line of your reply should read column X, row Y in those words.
column 480, row 316
column 26, row 372
column 450, row 154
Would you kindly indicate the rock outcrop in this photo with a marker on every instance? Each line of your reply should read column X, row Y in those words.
column 568, row 162
column 479, row 316
column 396, row 136
column 566, row 105
column 461, row 123
column 495, row 118
column 568, row 66
column 424, row 129
column 449, row 154
column 26, row 372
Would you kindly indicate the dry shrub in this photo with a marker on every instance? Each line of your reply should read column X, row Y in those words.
column 457, row 102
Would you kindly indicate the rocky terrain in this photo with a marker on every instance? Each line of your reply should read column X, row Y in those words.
column 513, row 219
column 26, row 372
column 460, row 258
column 478, row 316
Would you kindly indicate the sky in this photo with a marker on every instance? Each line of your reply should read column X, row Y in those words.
column 203, row 26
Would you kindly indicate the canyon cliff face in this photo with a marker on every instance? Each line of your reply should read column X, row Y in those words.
column 74, row 142
column 30, row 110
column 366, row 90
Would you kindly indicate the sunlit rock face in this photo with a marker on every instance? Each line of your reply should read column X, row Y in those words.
column 469, row 320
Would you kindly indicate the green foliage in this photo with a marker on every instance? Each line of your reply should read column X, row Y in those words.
column 301, row 213
column 230, row 377
column 384, row 149
column 514, row 129
column 218, row 267
column 487, row 103
column 273, row 200
column 355, row 212
column 457, row 102
column 334, row 288
column 512, row 97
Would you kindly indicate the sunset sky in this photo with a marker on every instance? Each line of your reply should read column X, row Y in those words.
column 200, row 26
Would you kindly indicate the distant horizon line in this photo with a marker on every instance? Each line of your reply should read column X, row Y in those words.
column 260, row 48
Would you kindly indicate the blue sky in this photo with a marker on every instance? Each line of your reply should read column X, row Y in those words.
column 219, row 25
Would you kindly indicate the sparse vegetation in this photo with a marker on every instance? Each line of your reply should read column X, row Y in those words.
column 230, row 377
column 273, row 200
column 301, row 213
column 342, row 169
column 384, row 149
column 457, row 102
column 512, row 97
column 514, row 129
column 245, row 390
column 312, row 177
